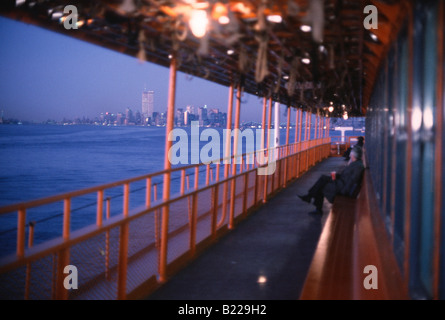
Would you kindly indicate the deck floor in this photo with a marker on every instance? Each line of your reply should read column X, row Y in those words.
column 266, row 257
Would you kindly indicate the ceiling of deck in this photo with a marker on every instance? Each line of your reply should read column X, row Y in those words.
column 258, row 44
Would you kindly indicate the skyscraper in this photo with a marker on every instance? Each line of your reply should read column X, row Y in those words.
column 147, row 104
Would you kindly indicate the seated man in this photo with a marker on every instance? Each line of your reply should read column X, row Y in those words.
column 345, row 183
column 360, row 141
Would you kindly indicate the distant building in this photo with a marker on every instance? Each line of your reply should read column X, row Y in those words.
column 147, row 104
column 179, row 118
column 202, row 115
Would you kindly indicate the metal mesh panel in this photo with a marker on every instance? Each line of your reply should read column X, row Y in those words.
column 12, row 284
column 142, row 252
column 96, row 260
column 42, row 277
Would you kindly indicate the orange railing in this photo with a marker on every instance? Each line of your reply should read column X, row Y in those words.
column 119, row 256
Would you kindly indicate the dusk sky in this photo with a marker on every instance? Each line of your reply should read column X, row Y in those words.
column 46, row 75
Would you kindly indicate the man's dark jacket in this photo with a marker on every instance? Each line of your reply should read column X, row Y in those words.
column 347, row 182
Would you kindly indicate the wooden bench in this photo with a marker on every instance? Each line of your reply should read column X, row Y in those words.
column 352, row 238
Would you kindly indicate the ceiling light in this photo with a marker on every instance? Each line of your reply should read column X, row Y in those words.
column 306, row 60
column 198, row 23
column 345, row 116
column 374, row 37
column 230, row 52
column 306, row 28
column 262, row 279
column 220, row 12
column 275, row 18
column 224, row 20
column 331, row 108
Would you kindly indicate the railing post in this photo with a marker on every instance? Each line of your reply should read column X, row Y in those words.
column 100, row 207
column 107, row 241
column 21, row 224
column 215, row 192
column 194, row 219
column 148, row 192
column 28, row 265
column 63, row 258
column 167, row 166
column 123, row 249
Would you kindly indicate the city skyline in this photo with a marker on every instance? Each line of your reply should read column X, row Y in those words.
column 52, row 76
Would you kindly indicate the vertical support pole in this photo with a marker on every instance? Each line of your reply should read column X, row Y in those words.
column 300, row 131
column 269, row 120
column 286, row 161
column 235, row 153
column 263, row 128
column 167, row 167
column 438, row 202
column 227, row 155
column 276, row 143
column 409, row 148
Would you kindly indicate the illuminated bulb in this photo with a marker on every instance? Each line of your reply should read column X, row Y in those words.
column 224, row 20
column 305, row 28
column 276, row 18
column 198, row 23
column 306, row 60
column 262, row 279
column 374, row 37
column 331, row 108
column 230, row 52
column 345, row 116
column 56, row 15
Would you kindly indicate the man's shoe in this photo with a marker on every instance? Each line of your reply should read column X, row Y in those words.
column 307, row 198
